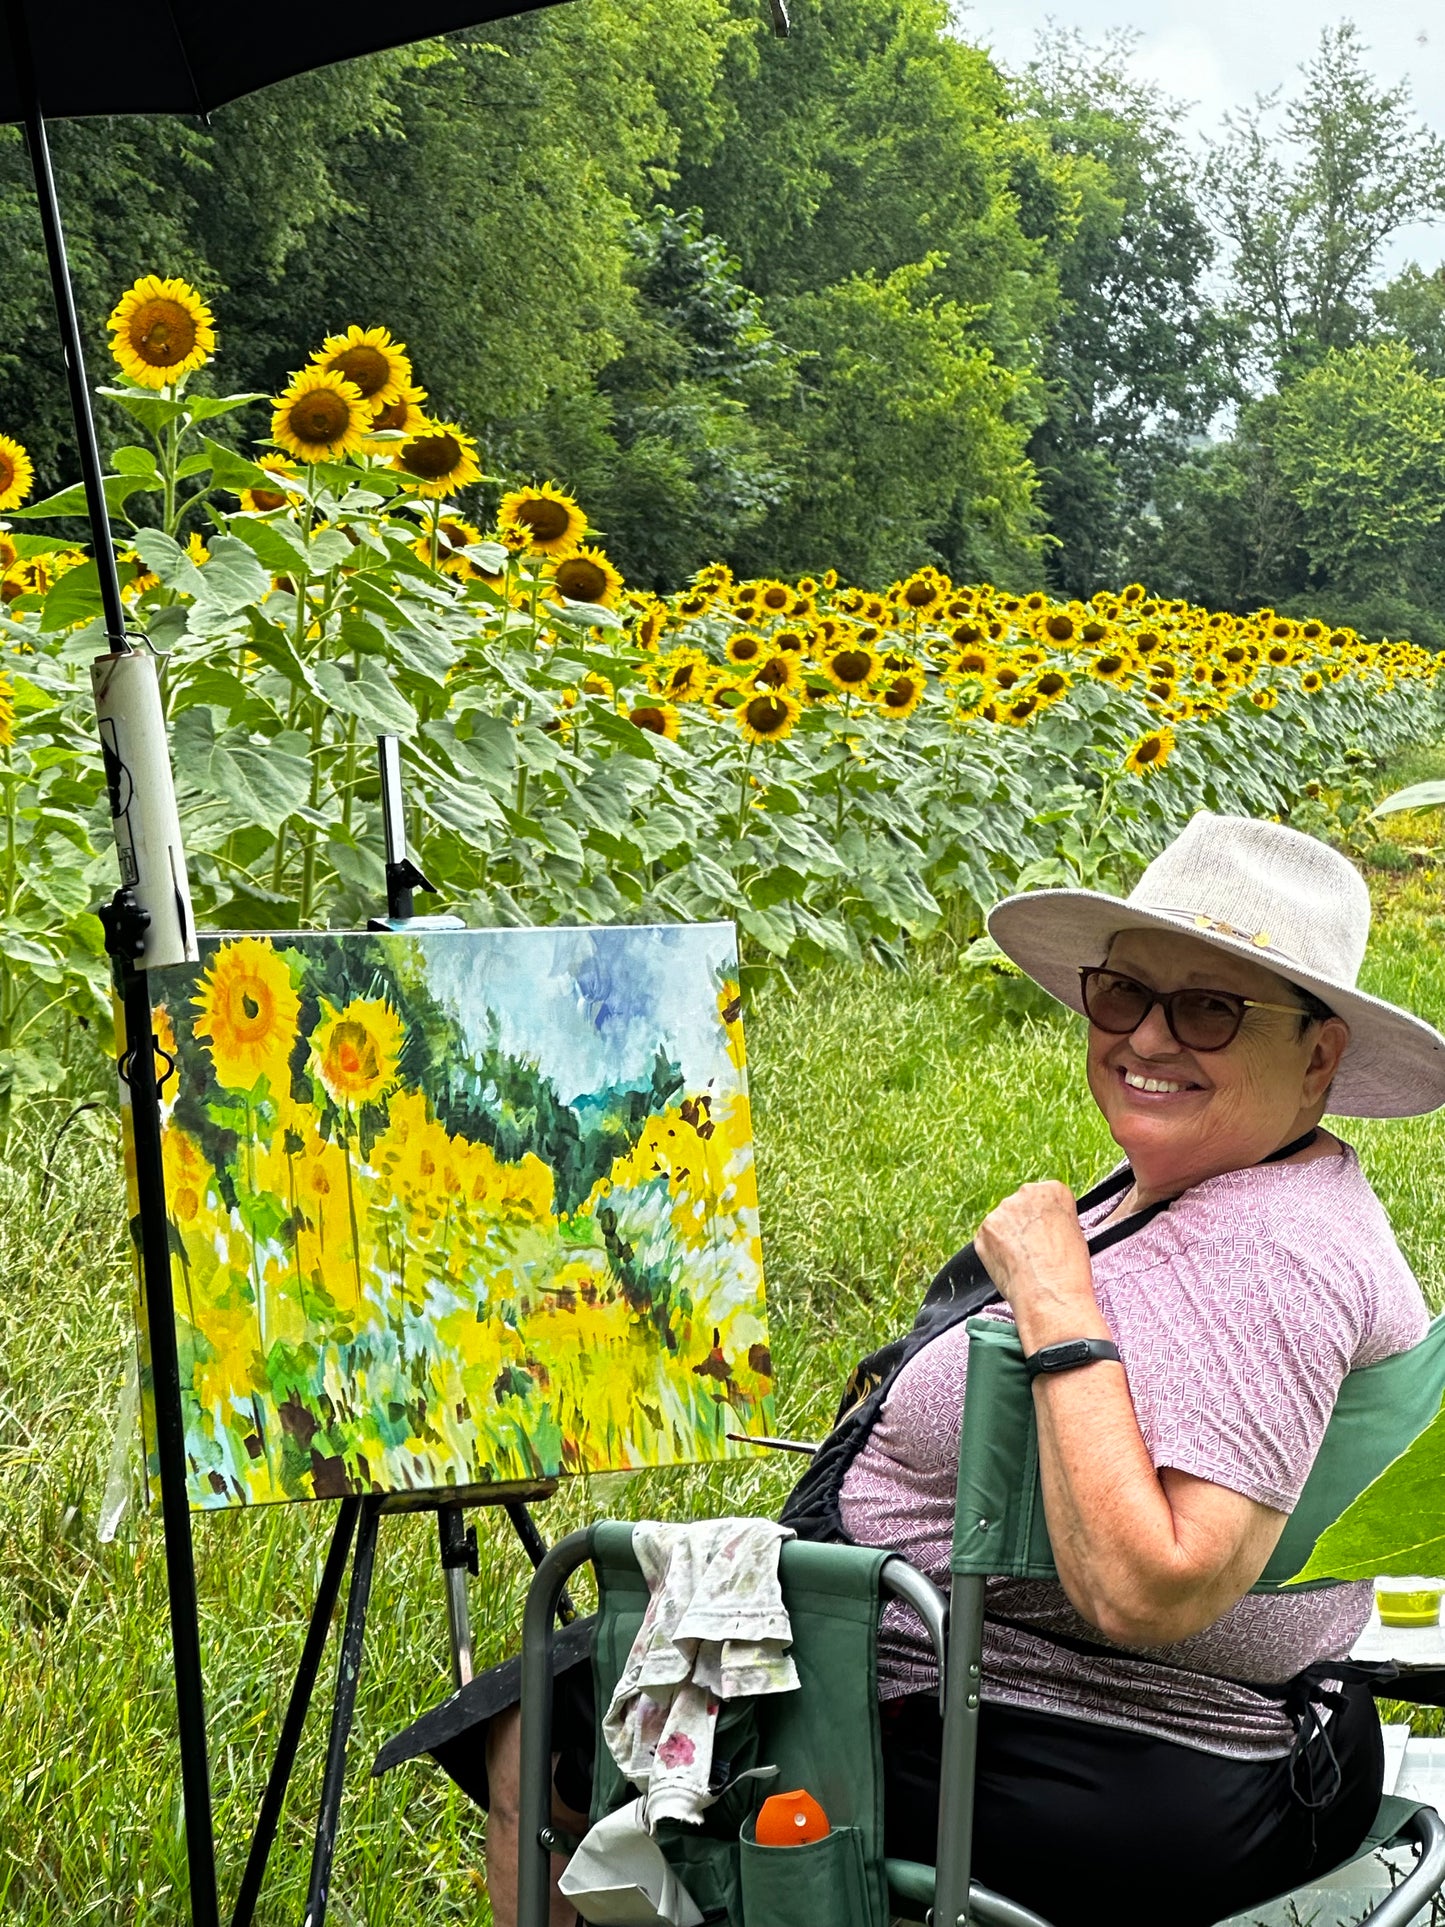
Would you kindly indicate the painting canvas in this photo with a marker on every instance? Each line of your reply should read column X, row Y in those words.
column 458, row 1208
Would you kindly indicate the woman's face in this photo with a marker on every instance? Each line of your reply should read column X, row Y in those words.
column 1220, row 1110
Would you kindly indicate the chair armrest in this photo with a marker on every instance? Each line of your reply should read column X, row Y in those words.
column 908, row 1583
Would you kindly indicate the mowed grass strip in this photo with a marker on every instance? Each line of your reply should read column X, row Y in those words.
column 892, row 1110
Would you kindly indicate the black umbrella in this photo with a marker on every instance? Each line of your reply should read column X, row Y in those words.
column 65, row 60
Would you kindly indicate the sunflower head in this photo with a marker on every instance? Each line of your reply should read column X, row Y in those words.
column 264, row 501
column 17, row 473
column 744, row 649
column 780, row 670
column 162, row 330
column 247, row 1008
column 370, row 360
column 1151, row 752
column 404, row 416
column 681, row 676
column 454, row 538
column 438, row 460
column 1019, row 708
column 1264, row 698
column 551, row 522
column 356, row 1051
column 320, row 417
column 768, row 716
column 898, row 699
column 850, row 668
column 588, row 576
column 660, row 719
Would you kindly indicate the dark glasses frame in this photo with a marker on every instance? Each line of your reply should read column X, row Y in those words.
column 1168, row 1001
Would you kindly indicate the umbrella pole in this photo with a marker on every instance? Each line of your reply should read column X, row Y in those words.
column 139, row 1070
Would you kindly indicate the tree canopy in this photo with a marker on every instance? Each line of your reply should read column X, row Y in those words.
column 860, row 299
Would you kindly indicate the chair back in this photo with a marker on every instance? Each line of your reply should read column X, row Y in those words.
column 999, row 1526
column 825, row 1737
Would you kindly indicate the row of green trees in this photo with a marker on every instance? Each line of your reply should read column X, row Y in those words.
column 855, row 300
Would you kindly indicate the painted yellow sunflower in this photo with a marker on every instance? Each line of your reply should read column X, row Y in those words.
column 661, row 719
column 17, row 473
column 551, row 521
column 356, row 1051
column 768, row 716
column 320, row 417
column 162, row 330
column 588, row 576
column 248, row 1009
column 1151, row 752
column 370, row 360
column 438, row 459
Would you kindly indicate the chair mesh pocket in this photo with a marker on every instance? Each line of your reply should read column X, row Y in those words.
column 820, row 1884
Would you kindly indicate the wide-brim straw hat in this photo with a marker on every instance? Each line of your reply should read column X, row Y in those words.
column 1258, row 890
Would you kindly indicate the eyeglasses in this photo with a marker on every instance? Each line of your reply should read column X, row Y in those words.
column 1202, row 1020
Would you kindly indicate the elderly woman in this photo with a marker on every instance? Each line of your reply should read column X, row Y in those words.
column 1137, row 1759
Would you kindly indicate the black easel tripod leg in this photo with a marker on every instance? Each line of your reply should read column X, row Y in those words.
column 269, row 1817
column 170, row 1446
column 348, row 1672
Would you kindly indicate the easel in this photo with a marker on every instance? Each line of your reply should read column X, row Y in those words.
column 358, row 1519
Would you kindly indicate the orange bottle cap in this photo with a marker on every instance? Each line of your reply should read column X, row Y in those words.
column 790, row 1820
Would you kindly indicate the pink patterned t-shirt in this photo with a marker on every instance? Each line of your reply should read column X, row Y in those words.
column 1237, row 1313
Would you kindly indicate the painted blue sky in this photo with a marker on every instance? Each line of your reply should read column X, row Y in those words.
column 590, row 1007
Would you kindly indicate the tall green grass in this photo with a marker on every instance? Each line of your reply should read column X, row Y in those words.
column 892, row 1111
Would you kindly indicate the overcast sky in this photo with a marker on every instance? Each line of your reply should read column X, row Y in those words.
column 1218, row 54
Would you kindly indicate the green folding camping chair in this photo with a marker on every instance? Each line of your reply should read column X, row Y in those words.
column 826, row 1735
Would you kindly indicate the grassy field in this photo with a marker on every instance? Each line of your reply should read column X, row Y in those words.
column 891, row 1113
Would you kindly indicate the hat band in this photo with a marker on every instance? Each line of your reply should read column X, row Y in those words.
column 1259, row 939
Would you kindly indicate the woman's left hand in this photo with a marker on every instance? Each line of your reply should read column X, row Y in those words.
column 1034, row 1249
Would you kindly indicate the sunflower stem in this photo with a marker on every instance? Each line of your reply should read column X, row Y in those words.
column 743, row 790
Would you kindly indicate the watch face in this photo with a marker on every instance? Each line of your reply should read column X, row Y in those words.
column 1073, row 1352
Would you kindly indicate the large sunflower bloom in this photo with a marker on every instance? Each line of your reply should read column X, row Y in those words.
column 552, row 522
column 768, row 717
column 248, row 1009
column 781, row 670
column 17, row 473
column 320, row 417
column 1151, row 752
column 681, row 675
column 162, row 331
column 356, row 1052
column 438, row 460
column 588, row 576
column 744, row 649
column 369, row 358
column 851, row 668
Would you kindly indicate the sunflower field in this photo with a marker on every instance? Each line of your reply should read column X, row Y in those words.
column 839, row 769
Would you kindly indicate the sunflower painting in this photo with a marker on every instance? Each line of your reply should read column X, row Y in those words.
column 459, row 1209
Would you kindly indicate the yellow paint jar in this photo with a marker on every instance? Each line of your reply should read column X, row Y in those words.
column 1409, row 1601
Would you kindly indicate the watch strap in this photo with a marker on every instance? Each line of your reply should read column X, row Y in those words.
column 1069, row 1353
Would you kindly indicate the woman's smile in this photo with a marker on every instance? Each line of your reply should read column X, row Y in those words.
column 1154, row 1087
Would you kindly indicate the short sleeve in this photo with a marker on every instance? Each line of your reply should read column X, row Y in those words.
column 1235, row 1348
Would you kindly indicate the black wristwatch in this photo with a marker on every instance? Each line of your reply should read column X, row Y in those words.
column 1073, row 1351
